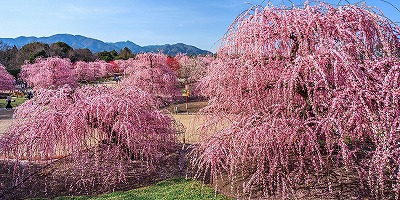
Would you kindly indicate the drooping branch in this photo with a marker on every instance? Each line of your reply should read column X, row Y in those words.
column 307, row 93
column 6, row 80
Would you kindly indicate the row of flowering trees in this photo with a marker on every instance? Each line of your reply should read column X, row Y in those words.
column 300, row 97
column 56, row 72
column 159, row 74
column 313, row 97
column 151, row 73
column 154, row 73
column 91, row 71
column 188, row 68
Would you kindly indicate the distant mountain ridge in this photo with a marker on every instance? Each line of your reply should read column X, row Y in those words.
column 95, row 45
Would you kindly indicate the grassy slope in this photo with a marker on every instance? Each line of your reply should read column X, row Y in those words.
column 178, row 188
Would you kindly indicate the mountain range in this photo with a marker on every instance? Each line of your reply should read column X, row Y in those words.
column 95, row 45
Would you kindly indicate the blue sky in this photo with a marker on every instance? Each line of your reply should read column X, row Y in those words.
column 196, row 22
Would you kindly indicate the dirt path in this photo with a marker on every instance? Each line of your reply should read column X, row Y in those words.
column 5, row 119
column 192, row 123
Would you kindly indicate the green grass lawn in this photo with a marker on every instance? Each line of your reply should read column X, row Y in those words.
column 178, row 188
column 18, row 101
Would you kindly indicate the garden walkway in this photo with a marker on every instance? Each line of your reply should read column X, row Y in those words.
column 5, row 119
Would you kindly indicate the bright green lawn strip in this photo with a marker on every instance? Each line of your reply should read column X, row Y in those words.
column 178, row 188
column 18, row 101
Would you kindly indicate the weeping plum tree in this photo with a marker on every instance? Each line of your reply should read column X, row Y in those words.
column 83, row 72
column 186, row 66
column 122, row 65
column 91, row 71
column 201, row 64
column 313, row 96
column 100, row 130
column 49, row 73
column 150, row 72
column 6, row 80
column 101, row 68
column 193, row 68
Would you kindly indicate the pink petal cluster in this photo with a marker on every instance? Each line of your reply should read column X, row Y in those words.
column 7, row 81
column 91, row 71
column 311, row 95
column 150, row 73
column 124, row 64
column 101, row 129
column 49, row 73
column 193, row 68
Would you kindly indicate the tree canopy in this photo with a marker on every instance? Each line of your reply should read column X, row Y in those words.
column 49, row 73
column 312, row 93
column 7, row 81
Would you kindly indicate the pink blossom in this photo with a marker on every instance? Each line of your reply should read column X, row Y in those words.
column 308, row 92
column 95, row 127
column 7, row 81
column 49, row 73
column 91, row 71
column 150, row 73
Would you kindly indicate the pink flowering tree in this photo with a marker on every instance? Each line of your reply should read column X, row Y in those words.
column 101, row 69
column 201, row 64
column 83, row 72
column 91, row 71
column 150, row 72
column 186, row 64
column 193, row 69
column 49, row 73
column 310, row 96
column 100, row 130
column 6, row 80
column 124, row 64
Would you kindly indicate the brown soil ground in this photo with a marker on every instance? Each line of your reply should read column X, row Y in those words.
column 191, row 123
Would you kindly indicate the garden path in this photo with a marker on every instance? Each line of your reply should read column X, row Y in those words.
column 5, row 119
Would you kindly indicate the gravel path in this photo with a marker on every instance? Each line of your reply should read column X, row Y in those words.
column 5, row 119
